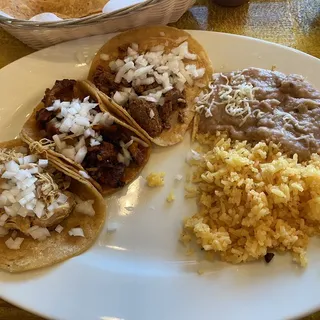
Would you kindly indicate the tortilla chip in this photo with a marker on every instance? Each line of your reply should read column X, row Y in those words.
column 25, row 9
column 35, row 254
column 31, row 134
column 146, row 38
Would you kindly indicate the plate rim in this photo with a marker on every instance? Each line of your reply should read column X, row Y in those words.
column 74, row 42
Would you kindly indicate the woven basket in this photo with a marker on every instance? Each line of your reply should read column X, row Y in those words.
column 39, row 35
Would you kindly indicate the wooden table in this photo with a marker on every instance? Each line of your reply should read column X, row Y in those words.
column 294, row 23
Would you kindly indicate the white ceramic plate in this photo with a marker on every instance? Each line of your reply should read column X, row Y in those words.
column 140, row 271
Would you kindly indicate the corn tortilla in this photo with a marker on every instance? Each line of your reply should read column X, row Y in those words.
column 146, row 38
column 31, row 134
column 35, row 254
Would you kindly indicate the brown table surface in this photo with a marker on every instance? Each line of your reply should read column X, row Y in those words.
column 294, row 23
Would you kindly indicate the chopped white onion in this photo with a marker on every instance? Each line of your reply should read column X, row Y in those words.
column 59, row 228
column 193, row 155
column 8, row 175
column 76, row 232
column 34, row 170
column 77, row 129
column 84, row 174
column 89, row 132
column 129, row 65
column 14, row 244
column 141, row 71
column 81, row 142
column 56, row 139
column 12, row 166
column 120, row 97
column 119, row 63
column 97, row 118
column 22, row 212
column 23, row 174
column 10, row 197
column 29, row 182
column 31, row 205
column 82, row 152
column 94, row 142
column 54, row 205
column 30, row 159
column 39, row 232
column 129, row 76
column 132, row 52
column 82, row 121
column 85, row 207
column 128, row 144
column 185, row 73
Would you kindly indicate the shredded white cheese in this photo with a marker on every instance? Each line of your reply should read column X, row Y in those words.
column 236, row 96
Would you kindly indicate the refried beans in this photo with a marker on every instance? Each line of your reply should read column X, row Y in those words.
column 256, row 104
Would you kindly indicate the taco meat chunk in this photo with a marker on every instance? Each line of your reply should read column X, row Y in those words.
column 137, row 153
column 111, row 176
column 173, row 100
column 122, row 51
column 44, row 116
column 146, row 114
column 113, row 134
column 104, row 81
column 102, row 163
column 143, row 88
column 104, row 154
column 62, row 90
column 176, row 98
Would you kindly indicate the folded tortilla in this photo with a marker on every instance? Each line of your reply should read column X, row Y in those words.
column 147, row 38
column 34, row 254
column 35, row 138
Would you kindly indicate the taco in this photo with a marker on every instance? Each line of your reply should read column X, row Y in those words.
column 72, row 125
column 47, row 214
column 150, row 77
